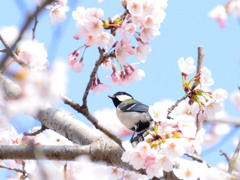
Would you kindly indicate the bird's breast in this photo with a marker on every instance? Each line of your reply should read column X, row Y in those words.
column 130, row 119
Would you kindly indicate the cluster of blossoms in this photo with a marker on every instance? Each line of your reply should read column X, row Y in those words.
column 164, row 146
column 40, row 86
column 208, row 102
column 171, row 138
column 141, row 21
column 221, row 12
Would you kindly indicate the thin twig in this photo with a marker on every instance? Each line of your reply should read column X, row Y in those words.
column 176, row 103
column 196, row 158
column 43, row 128
column 225, row 155
column 233, row 160
column 24, row 176
column 200, row 58
column 23, row 29
column 10, row 168
column 92, row 76
column 92, row 119
column 8, row 49
column 199, row 66
column 65, row 171
column 35, row 25
column 3, row 50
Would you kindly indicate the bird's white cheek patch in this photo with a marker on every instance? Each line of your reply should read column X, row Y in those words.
column 122, row 98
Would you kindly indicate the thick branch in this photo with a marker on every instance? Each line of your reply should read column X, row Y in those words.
column 66, row 125
column 102, row 149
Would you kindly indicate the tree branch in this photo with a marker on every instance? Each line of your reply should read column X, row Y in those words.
column 92, row 76
column 228, row 120
column 92, row 119
column 199, row 66
column 43, row 128
column 196, row 158
column 35, row 25
column 13, row 169
column 233, row 160
column 66, row 125
column 176, row 103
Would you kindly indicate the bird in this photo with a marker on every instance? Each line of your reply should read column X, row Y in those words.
column 133, row 114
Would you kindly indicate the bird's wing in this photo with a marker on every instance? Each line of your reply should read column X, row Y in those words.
column 133, row 106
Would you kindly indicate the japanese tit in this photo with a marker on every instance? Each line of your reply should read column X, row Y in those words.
column 133, row 114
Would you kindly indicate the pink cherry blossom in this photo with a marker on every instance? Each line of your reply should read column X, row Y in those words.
column 77, row 67
column 219, row 13
column 33, row 54
column 205, row 78
column 107, row 39
column 58, row 13
column 94, row 26
column 148, row 34
column 141, row 51
column 135, row 7
column 100, row 87
column 121, row 53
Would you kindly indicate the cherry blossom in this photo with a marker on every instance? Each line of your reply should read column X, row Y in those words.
column 100, row 87
column 33, row 53
column 186, row 66
column 58, row 13
column 205, row 78
column 234, row 8
column 141, row 51
column 219, row 14
column 220, row 95
column 235, row 98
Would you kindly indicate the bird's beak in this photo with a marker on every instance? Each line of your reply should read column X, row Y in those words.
column 110, row 96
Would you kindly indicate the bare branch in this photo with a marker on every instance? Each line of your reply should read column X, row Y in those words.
column 3, row 50
column 200, row 58
column 196, row 158
column 232, row 162
column 225, row 155
column 92, row 76
column 177, row 102
column 9, row 50
column 24, row 176
column 43, row 128
column 10, row 168
column 35, row 25
column 199, row 66
column 227, row 120
column 92, row 119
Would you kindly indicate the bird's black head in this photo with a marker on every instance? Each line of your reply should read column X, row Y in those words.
column 120, row 97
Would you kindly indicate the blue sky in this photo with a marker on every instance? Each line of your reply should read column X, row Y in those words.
column 186, row 27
